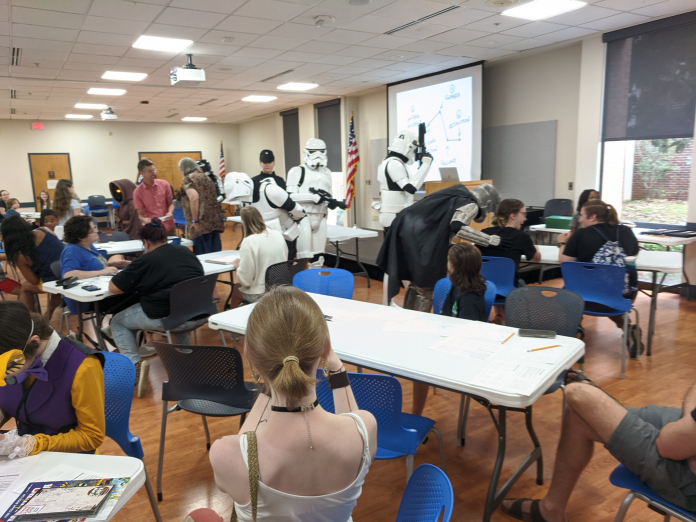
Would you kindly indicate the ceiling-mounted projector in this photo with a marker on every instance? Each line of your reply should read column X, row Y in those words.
column 108, row 114
column 187, row 73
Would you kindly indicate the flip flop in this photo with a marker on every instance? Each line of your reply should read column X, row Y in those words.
column 515, row 510
column 576, row 376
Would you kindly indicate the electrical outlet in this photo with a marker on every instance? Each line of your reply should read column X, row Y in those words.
column 570, row 185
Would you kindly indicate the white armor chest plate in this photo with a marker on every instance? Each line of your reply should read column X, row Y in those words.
column 393, row 201
column 318, row 178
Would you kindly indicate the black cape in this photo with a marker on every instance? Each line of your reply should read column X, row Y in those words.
column 415, row 247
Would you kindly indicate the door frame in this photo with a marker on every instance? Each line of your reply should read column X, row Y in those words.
column 31, row 171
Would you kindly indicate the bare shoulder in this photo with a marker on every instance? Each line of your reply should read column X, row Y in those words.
column 228, row 467
column 371, row 426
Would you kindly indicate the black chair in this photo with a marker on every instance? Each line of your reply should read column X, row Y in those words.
column 205, row 380
column 558, row 207
column 113, row 236
column 282, row 273
column 62, row 309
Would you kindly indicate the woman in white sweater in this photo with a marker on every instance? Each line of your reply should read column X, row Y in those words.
column 261, row 248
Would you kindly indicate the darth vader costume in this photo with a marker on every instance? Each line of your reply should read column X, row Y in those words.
column 129, row 222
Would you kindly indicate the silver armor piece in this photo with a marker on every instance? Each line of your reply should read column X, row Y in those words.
column 487, row 198
column 419, row 299
column 464, row 215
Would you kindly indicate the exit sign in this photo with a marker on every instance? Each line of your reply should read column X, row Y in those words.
column 37, row 125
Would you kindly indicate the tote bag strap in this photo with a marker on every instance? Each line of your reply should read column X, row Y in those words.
column 253, row 465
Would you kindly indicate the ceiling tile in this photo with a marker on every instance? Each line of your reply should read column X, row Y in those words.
column 373, row 64
column 475, row 52
column 213, row 6
column 291, row 30
column 496, row 24
column 215, row 37
column 586, row 14
column 350, row 69
column 462, row 16
column 274, row 42
column 271, row 9
column 457, row 36
column 425, row 46
column 406, row 66
column 321, row 47
column 376, row 24
column 396, row 55
column 244, row 24
column 626, row 5
column 65, row 6
column 666, row 8
column 527, row 43
column 335, row 59
column 175, row 31
column 135, row 62
column 566, row 34
column 107, row 50
column 189, row 18
column 345, row 37
column 148, row 55
column 616, row 21
column 212, row 49
column 495, row 40
column 92, row 58
column 415, row 8
column 423, row 30
column 23, row 15
column 359, row 51
column 48, row 45
column 32, row 55
column 4, row 28
column 79, row 75
column 534, row 29
column 44, row 33
column 296, row 56
column 91, row 37
column 81, row 66
column 34, row 72
column 125, row 10
column 252, row 52
column 4, row 13
column 110, row 25
column 430, row 59
column 387, row 41
column 240, row 61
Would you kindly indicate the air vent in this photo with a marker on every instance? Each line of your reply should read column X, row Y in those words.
column 16, row 55
column 172, row 115
column 209, row 101
column 13, row 111
column 279, row 74
column 13, row 94
column 446, row 10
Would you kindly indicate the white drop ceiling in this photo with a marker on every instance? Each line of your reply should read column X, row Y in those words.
column 66, row 46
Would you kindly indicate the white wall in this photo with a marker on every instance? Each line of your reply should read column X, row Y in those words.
column 257, row 135
column 101, row 152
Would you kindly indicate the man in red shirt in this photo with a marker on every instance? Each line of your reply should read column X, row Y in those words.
column 153, row 197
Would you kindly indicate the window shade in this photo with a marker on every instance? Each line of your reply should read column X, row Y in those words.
column 650, row 90
column 291, row 139
column 329, row 130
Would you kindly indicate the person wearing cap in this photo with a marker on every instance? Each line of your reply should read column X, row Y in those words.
column 52, row 386
column 267, row 160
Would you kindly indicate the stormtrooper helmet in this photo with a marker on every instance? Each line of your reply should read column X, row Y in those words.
column 405, row 143
column 238, row 188
column 487, row 198
column 314, row 154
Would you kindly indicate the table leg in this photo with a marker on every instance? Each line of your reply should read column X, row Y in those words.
column 357, row 259
column 338, row 254
column 491, row 504
column 97, row 328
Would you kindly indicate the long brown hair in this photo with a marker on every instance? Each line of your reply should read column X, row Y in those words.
column 285, row 324
column 505, row 209
column 44, row 204
column 62, row 196
column 466, row 262
column 605, row 212
column 252, row 221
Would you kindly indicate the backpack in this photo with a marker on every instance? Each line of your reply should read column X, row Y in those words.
column 612, row 253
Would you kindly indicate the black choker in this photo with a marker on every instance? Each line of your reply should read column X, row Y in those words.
column 294, row 410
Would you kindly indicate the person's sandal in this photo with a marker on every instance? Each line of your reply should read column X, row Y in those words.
column 577, row 377
column 515, row 510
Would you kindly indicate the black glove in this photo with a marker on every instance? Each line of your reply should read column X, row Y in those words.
column 455, row 226
column 335, row 203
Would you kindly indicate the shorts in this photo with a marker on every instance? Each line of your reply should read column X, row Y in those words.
column 8, row 285
column 633, row 443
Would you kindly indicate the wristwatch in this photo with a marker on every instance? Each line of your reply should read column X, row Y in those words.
column 194, row 221
column 561, row 244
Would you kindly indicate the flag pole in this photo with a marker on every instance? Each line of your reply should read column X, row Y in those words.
column 355, row 192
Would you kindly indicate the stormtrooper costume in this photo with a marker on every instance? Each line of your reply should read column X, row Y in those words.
column 397, row 184
column 279, row 212
column 312, row 174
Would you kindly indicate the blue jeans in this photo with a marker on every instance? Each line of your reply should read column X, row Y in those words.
column 124, row 325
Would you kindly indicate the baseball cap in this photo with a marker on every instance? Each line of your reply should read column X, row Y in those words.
column 266, row 156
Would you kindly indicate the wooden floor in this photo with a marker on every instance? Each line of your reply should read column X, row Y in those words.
column 661, row 379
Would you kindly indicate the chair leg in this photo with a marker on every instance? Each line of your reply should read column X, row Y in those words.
column 443, row 457
column 637, row 330
column 222, row 336
column 624, row 346
column 207, row 433
column 409, row 466
column 461, row 422
column 434, row 390
column 160, row 460
column 151, row 496
column 242, row 418
column 623, row 508
column 668, row 518
column 169, row 337
column 359, row 369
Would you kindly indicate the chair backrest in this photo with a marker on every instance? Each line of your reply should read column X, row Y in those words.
column 119, row 379
column 335, row 282
column 501, row 271
column 96, row 201
column 178, row 216
column 442, row 288
column 558, row 207
column 544, row 308
column 489, row 297
column 427, row 494
column 595, row 283
column 192, row 299
column 283, row 273
column 213, row 373
column 378, row 394
column 55, row 268
column 105, row 237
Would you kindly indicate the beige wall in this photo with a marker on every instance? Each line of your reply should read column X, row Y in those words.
column 101, row 152
column 257, row 135
column 540, row 87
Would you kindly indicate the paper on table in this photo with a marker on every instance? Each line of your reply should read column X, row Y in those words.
column 550, row 356
column 418, row 326
column 10, row 471
column 472, row 348
column 63, row 472
column 388, row 313
column 223, row 260
column 510, row 376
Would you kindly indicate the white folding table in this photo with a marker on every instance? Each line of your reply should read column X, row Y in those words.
column 358, row 337
column 107, row 466
column 336, row 235
column 131, row 246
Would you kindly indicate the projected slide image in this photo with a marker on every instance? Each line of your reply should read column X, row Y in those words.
column 446, row 109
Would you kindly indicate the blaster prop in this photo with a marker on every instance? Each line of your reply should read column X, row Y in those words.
column 327, row 198
column 421, row 142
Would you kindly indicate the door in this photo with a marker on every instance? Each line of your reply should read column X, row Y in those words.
column 46, row 170
column 167, row 165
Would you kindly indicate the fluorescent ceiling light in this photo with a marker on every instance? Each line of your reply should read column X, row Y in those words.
column 193, row 118
column 297, row 86
column 88, row 106
column 106, row 92
column 78, row 116
column 260, row 99
column 541, row 9
column 156, row 43
column 126, row 76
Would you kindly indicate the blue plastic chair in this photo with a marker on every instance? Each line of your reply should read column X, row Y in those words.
column 621, row 477
column 398, row 434
column 603, row 285
column 119, row 381
column 443, row 286
column 335, row 282
column 489, row 296
column 427, row 494
column 501, row 271
column 179, row 219
column 174, row 240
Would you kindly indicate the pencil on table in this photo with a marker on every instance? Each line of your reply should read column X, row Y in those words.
column 544, row 348
column 508, row 338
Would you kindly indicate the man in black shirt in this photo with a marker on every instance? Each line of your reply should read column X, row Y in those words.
column 267, row 160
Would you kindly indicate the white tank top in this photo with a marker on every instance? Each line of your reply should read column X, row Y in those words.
column 273, row 505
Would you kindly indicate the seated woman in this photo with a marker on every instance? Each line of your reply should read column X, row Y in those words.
column 311, row 463
column 12, row 207
column 32, row 252
column 44, row 201
column 600, row 224
column 58, row 380
column 261, row 248
column 585, row 196
column 151, row 277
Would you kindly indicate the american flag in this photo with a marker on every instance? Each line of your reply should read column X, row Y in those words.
column 353, row 160
column 222, row 162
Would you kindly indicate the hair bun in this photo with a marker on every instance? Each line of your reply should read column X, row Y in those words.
column 156, row 222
